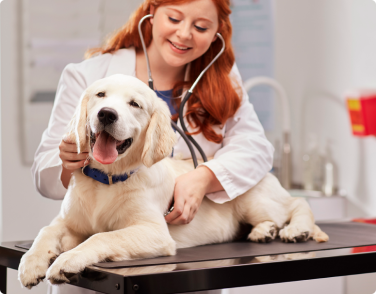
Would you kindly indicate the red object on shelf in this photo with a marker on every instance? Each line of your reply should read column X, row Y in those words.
column 364, row 248
column 362, row 110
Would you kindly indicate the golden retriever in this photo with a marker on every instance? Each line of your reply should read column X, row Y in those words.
column 127, row 130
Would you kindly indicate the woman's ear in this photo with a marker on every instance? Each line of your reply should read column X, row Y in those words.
column 219, row 29
column 152, row 10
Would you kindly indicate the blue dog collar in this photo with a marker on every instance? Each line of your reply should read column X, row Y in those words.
column 103, row 178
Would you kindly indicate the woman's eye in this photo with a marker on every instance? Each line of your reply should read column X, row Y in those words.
column 200, row 29
column 134, row 104
column 173, row 20
column 101, row 94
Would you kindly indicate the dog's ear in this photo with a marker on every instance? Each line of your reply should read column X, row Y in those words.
column 160, row 137
column 77, row 132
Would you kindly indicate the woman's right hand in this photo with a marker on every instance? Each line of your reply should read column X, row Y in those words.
column 71, row 160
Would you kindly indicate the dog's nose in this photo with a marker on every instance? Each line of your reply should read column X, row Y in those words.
column 107, row 116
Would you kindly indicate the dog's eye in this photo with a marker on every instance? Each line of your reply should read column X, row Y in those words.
column 101, row 94
column 134, row 104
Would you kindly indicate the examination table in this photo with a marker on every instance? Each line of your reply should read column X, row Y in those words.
column 227, row 265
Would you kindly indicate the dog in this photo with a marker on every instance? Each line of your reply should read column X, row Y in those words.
column 126, row 129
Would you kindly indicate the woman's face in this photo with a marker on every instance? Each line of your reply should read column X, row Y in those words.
column 184, row 32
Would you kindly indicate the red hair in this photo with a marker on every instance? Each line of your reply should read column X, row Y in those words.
column 214, row 99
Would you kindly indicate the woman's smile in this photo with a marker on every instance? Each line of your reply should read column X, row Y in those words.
column 178, row 48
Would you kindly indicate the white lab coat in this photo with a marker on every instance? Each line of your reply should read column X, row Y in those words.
column 240, row 161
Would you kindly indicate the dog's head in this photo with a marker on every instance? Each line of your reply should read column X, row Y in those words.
column 120, row 113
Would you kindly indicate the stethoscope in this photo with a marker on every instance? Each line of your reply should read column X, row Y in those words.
column 187, row 138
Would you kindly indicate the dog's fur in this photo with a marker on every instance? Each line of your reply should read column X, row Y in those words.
column 99, row 222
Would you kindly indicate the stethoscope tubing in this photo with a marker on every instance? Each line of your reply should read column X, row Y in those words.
column 144, row 48
column 188, row 95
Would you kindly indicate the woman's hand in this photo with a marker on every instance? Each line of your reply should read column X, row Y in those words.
column 190, row 189
column 71, row 160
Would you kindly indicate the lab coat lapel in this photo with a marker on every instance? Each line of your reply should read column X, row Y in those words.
column 123, row 61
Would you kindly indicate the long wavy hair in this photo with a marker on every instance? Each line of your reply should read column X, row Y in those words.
column 216, row 97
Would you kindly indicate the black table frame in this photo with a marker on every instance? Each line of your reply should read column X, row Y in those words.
column 334, row 264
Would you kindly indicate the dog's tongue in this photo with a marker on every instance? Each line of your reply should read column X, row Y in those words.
column 105, row 148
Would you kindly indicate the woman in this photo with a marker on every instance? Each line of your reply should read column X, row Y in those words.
column 181, row 40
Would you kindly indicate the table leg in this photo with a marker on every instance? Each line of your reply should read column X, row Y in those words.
column 3, row 279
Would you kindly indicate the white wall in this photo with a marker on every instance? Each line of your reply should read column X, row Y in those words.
column 324, row 48
column 24, row 212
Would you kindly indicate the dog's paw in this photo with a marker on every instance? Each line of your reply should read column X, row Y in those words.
column 65, row 267
column 319, row 236
column 33, row 267
column 295, row 233
column 263, row 232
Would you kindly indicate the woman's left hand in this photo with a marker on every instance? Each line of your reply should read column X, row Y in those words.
column 189, row 191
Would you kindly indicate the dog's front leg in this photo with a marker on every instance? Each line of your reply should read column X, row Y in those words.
column 50, row 242
column 143, row 240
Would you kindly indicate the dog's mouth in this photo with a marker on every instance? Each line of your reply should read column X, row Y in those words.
column 106, row 148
